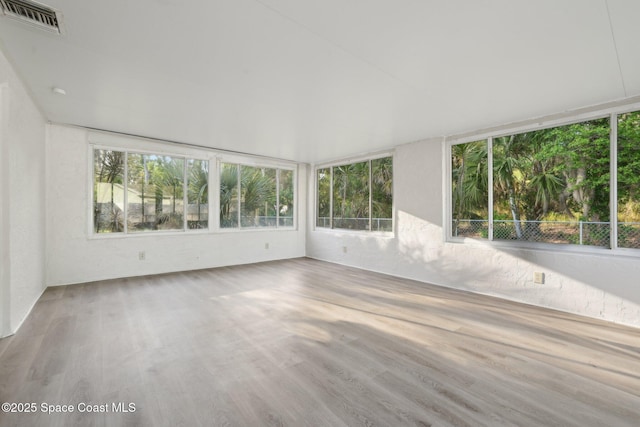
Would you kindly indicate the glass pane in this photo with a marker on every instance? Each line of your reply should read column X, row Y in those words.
column 285, row 203
column 258, row 192
column 469, row 190
column 382, row 194
column 552, row 185
column 323, row 219
column 351, row 196
column 228, row 195
column 155, row 193
column 108, row 191
column 198, row 194
column 629, row 180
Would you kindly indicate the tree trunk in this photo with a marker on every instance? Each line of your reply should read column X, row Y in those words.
column 515, row 213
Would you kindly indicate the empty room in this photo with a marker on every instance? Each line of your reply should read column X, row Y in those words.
column 320, row 213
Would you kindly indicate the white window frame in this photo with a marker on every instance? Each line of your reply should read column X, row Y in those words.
column 239, row 161
column 125, row 233
column 610, row 111
column 347, row 161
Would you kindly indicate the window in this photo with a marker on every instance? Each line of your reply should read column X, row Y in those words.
column 155, row 196
column 255, row 197
column 197, row 194
column 108, row 191
column 549, row 185
column 629, row 180
column 136, row 192
column 323, row 219
column 469, row 189
column 356, row 196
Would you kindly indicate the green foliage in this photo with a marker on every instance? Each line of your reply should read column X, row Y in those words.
column 556, row 172
column 354, row 186
column 263, row 193
column 470, row 180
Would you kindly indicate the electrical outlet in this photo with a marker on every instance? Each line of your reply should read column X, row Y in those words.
column 538, row 277
column 142, row 255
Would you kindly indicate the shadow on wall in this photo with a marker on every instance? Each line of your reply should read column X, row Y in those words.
column 421, row 250
column 590, row 284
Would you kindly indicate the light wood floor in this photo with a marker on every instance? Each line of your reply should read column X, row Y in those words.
column 307, row 343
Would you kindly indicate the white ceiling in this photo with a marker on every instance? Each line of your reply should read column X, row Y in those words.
column 317, row 80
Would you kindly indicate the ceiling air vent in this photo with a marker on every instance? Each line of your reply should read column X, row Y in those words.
column 33, row 13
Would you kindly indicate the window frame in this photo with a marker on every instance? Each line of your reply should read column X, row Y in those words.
column 343, row 162
column 610, row 112
column 92, row 147
column 238, row 161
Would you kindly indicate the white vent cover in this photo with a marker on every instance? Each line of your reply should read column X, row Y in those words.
column 33, row 13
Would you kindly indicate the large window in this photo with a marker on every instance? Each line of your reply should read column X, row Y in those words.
column 549, row 185
column 255, row 197
column 136, row 192
column 629, row 180
column 356, row 196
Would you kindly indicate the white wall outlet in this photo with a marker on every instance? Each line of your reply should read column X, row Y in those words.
column 538, row 277
column 142, row 255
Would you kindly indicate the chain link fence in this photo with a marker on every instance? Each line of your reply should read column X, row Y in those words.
column 572, row 232
column 471, row 228
column 377, row 224
column 629, row 235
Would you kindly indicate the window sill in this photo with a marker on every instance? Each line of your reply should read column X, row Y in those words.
column 547, row 247
column 344, row 231
column 172, row 233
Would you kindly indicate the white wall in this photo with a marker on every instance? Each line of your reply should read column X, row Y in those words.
column 74, row 256
column 22, row 194
column 604, row 286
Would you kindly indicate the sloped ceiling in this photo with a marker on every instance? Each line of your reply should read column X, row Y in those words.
column 316, row 80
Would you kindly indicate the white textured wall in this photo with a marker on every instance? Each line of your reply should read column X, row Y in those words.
column 22, row 218
column 604, row 286
column 74, row 257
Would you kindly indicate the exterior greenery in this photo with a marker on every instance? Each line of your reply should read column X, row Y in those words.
column 152, row 194
column 356, row 196
column 263, row 196
column 550, row 185
column 628, row 176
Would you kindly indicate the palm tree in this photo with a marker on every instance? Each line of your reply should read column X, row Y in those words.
column 350, row 194
column 257, row 188
column 382, row 188
column 469, row 181
column 505, row 164
column 228, row 193
column 198, row 184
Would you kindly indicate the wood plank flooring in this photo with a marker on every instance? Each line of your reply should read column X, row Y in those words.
column 308, row 343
